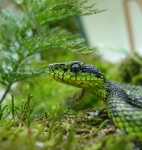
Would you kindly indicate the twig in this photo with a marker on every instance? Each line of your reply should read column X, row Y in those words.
column 5, row 93
column 74, row 99
column 10, row 84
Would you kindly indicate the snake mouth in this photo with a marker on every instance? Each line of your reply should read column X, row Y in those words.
column 52, row 73
column 56, row 72
column 51, row 68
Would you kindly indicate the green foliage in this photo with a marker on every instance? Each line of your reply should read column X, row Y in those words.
column 30, row 31
column 20, row 114
column 131, row 71
column 2, row 109
column 69, row 131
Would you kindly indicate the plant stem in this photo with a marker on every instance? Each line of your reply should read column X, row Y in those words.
column 9, row 86
column 5, row 93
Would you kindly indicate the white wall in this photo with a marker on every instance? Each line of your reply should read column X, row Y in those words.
column 109, row 27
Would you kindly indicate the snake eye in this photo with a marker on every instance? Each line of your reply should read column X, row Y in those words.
column 75, row 68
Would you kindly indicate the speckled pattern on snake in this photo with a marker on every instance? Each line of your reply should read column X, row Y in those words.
column 123, row 102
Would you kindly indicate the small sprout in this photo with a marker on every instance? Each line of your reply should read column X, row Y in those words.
column 74, row 101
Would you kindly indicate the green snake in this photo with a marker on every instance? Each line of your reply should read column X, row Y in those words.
column 123, row 102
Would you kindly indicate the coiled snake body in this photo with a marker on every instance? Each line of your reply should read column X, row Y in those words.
column 123, row 102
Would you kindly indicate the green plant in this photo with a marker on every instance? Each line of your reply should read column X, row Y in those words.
column 28, row 32
column 20, row 114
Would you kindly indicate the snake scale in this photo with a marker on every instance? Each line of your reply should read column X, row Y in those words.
column 123, row 102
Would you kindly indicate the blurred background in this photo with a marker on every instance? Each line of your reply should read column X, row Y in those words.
column 118, row 27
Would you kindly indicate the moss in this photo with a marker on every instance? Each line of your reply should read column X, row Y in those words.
column 130, row 71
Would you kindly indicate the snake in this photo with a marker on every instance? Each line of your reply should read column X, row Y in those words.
column 123, row 102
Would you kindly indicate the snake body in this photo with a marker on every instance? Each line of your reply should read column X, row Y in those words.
column 123, row 103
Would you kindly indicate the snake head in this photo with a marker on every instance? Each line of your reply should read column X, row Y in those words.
column 77, row 74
